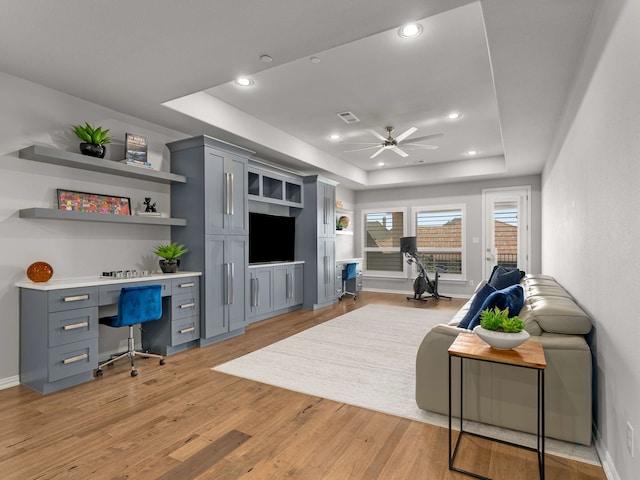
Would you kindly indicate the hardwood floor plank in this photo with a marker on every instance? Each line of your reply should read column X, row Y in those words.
column 184, row 421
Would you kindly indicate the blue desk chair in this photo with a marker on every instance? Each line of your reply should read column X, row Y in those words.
column 136, row 305
column 348, row 273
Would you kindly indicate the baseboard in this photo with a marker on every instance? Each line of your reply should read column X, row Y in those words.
column 607, row 462
column 9, row 382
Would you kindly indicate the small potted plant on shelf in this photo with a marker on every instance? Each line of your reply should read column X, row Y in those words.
column 95, row 140
column 499, row 330
column 170, row 253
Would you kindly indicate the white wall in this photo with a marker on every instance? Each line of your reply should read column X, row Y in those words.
column 468, row 194
column 34, row 114
column 591, row 230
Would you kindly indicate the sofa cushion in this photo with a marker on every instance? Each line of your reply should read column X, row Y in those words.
column 511, row 297
column 559, row 315
column 545, row 291
column 503, row 278
column 476, row 302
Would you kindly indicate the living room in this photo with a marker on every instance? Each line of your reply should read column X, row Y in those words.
column 581, row 199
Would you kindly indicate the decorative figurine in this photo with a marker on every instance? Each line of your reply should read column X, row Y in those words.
column 151, row 208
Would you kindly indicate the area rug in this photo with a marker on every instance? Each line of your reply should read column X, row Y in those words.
column 366, row 358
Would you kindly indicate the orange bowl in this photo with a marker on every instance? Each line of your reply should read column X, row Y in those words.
column 39, row 272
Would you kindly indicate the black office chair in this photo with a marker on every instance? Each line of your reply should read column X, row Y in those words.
column 348, row 273
column 136, row 305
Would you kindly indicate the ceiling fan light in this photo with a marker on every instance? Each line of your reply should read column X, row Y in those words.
column 410, row 30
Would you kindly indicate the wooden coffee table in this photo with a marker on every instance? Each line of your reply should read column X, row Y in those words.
column 529, row 355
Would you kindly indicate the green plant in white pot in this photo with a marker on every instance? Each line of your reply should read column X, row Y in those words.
column 499, row 330
column 94, row 140
column 170, row 256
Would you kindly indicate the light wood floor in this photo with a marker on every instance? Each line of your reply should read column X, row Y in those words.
column 185, row 421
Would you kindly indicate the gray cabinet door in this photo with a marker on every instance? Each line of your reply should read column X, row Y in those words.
column 326, row 210
column 297, row 277
column 237, row 280
column 326, row 269
column 260, row 299
column 225, row 193
column 214, row 319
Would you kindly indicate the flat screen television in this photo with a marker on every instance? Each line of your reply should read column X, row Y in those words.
column 272, row 238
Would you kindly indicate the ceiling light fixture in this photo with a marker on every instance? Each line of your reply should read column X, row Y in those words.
column 453, row 116
column 472, row 152
column 244, row 82
column 314, row 60
column 410, row 30
column 334, row 136
column 266, row 58
column 381, row 164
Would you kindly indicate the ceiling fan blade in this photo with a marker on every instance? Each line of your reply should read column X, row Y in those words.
column 377, row 153
column 399, row 152
column 426, row 137
column 359, row 143
column 377, row 135
column 428, row 147
column 404, row 135
column 360, row 149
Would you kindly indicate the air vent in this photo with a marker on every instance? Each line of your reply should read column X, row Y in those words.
column 348, row 117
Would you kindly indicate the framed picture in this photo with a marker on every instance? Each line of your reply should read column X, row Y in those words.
column 93, row 202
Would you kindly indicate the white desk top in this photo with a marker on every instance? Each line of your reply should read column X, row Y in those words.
column 60, row 283
column 349, row 260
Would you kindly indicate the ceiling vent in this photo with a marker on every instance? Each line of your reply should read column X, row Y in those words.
column 348, row 117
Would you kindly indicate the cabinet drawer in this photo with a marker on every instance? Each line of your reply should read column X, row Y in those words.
column 72, row 326
column 185, row 305
column 74, row 358
column 185, row 285
column 109, row 294
column 185, row 330
column 70, row 298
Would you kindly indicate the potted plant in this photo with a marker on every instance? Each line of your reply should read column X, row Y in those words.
column 499, row 330
column 95, row 140
column 170, row 253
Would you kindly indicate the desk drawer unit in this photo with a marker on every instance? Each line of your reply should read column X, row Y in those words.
column 58, row 337
column 180, row 328
column 109, row 294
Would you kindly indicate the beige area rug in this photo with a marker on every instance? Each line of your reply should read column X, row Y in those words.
column 366, row 358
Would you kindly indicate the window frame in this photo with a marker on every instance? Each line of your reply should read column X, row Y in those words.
column 383, row 273
column 415, row 210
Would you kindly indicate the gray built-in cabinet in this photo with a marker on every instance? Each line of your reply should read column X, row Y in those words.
column 214, row 201
column 275, row 289
column 316, row 241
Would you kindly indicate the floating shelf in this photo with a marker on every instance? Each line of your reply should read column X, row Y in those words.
column 52, row 214
column 54, row 156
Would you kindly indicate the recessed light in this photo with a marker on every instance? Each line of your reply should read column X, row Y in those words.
column 266, row 58
column 314, row 60
column 381, row 164
column 244, row 81
column 472, row 152
column 410, row 30
column 453, row 116
column 334, row 136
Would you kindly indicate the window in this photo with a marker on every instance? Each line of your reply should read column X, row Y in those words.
column 439, row 237
column 382, row 233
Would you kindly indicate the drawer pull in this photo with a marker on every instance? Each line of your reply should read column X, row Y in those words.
column 75, row 325
column 186, row 285
column 187, row 330
column 76, row 298
column 187, row 305
column 77, row 358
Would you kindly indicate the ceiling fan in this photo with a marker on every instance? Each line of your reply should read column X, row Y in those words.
column 390, row 143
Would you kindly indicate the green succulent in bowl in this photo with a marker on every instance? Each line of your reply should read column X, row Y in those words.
column 498, row 320
column 171, row 251
column 89, row 134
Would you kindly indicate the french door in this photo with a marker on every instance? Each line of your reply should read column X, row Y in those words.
column 506, row 238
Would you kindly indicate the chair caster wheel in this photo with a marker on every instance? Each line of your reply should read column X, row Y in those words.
column 99, row 373
column 134, row 373
column 161, row 362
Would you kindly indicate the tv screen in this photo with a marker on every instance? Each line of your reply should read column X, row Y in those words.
column 271, row 238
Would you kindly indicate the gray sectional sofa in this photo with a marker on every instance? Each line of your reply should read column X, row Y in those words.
column 506, row 396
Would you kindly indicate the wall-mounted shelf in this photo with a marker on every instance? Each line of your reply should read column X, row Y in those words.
column 52, row 214
column 54, row 156
column 349, row 214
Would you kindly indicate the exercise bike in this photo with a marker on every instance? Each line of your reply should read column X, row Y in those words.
column 422, row 283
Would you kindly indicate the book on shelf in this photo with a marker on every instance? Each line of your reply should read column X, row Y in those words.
column 135, row 147
column 136, row 163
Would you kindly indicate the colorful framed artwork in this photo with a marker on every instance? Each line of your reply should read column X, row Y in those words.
column 93, row 203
